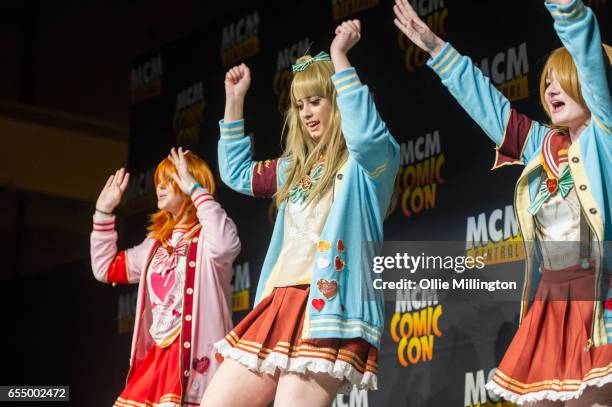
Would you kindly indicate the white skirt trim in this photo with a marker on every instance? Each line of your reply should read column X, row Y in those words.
column 339, row 369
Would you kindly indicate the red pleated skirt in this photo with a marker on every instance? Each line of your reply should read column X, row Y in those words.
column 270, row 338
column 156, row 382
column 548, row 358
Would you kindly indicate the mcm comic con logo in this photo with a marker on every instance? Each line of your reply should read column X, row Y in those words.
column 415, row 325
column 190, row 104
column 285, row 58
column 420, row 173
column 240, row 39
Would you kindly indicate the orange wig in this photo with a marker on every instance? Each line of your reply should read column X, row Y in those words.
column 162, row 222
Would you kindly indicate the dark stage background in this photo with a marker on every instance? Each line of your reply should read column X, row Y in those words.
column 77, row 332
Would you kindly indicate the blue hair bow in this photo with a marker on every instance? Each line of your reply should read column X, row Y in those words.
column 321, row 56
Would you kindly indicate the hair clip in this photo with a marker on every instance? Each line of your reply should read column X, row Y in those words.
column 321, row 56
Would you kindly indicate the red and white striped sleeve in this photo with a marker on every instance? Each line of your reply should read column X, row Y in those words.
column 110, row 265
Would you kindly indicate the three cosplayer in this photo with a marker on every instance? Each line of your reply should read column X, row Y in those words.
column 311, row 333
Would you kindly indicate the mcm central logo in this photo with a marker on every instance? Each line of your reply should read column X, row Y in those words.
column 508, row 71
column 240, row 39
column 495, row 236
column 241, row 287
column 146, row 79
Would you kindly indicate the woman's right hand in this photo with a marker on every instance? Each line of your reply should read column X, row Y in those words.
column 408, row 21
column 237, row 82
column 113, row 191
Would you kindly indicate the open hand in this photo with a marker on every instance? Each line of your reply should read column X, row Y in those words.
column 113, row 190
column 415, row 29
column 183, row 177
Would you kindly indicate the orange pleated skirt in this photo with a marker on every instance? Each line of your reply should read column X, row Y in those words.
column 270, row 338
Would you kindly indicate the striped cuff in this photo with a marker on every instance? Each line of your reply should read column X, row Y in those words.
column 346, row 80
column 566, row 14
column 231, row 130
column 103, row 224
column 201, row 195
column 445, row 60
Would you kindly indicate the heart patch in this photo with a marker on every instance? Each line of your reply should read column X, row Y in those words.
column 340, row 246
column 318, row 303
column 162, row 285
column 201, row 365
column 339, row 263
column 322, row 262
column 329, row 288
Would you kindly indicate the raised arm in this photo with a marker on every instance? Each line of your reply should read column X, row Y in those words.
column 367, row 137
column 238, row 170
column 221, row 242
column 107, row 263
column 517, row 137
column 578, row 30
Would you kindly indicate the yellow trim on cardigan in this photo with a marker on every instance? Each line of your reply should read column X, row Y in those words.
column 348, row 86
column 346, row 78
column 440, row 63
column 229, row 130
column 450, row 64
column 601, row 125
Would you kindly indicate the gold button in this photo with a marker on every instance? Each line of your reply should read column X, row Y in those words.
column 114, row 284
column 190, row 291
column 593, row 211
column 195, row 240
column 187, row 318
column 583, row 187
column 575, row 159
column 186, row 372
column 186, row 345
column 192, row 263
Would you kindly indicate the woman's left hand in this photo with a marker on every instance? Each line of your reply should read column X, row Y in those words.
column 183, row 178
column 347, row 35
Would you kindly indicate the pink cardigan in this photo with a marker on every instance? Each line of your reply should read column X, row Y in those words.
column 207, row 293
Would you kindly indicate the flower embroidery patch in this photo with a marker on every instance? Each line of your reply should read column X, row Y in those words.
column 323, row 246
column 300, row 191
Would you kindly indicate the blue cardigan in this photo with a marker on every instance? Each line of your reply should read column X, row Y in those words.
column 519, row 140
column 361, row 196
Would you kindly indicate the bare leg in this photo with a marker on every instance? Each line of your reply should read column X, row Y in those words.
column 306, row 390
column 236, row 386
column 593, row 397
